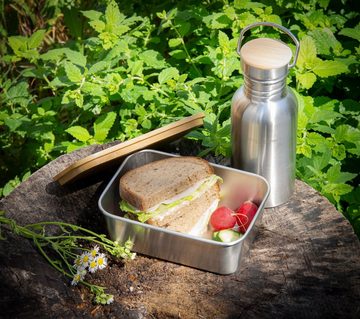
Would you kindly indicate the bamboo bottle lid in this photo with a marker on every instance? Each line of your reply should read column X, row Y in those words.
column 265, row 53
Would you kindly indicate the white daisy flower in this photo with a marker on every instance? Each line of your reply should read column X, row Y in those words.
column 93, row 266
column 101, row 261
column 93, row 252
column 109, row 299
column 78, row 277
column 85, row 259
column 78, row 263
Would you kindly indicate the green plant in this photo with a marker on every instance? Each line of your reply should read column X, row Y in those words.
column 68, row 251
column 122, row 74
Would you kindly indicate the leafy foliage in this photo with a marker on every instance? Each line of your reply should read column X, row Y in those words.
column 120, row 74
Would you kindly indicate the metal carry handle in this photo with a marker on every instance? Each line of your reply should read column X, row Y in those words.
column 274, row 25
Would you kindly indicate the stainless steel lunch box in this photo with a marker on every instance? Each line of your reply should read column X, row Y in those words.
column 197, row 252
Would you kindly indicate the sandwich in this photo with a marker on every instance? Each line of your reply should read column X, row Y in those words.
column 177, row 193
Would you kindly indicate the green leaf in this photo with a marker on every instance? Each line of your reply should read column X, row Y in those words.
column 93, row 89
column 98, row 25
column 329, row 68
column 75, row 57
column 325, row 41
column 17, row 43
column 307, row 54
column 217, row 21
column 351, row 33
column 92, row 14
column 224, row 41
column 73, row 72
column 18, row 90
column 168, row 74
column 323, row 115
column 102, row 126
column 306, row 80
column 146, row 123
column 313, row 138
column 137, row 68
column 178, row 54
column 175, row 42
column 347, row 133
column 321, row 161
column 8, row 188
column 54, row 54
column 78, row 132
column 334, row 175
column 36, row 38
column 183, row 28
column 13, row 123
column 322, row 128
column 113, row 15
column 153, row 59
column 337, row 190
column 98, row 67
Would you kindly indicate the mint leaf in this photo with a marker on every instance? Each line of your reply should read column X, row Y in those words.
column 79, row 132
column 98, row 25
column 92, row 14
column 325, row 41
column 351, row 33
column 92, row 89
column 306, row 80
column 323, row 115
column 98, row 67
column 175, row 42
column 36, row 38
column 307, row 54
column 337, row 190
column 217, row 21
column 113, row 16
column 178, row 54
column 329, row 68
column 17, row 43
column 153, row 59
column 102, row 126
column 347, row 133
column 73, row 72
column 18, row 94
column 75, row 57
column 168, row 74
column 334, row 175
column 224, row 41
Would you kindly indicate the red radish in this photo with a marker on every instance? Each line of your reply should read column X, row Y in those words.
column 223, row 218
column 245, row 214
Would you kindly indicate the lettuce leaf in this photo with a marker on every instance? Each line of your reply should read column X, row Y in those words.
column 143, row 216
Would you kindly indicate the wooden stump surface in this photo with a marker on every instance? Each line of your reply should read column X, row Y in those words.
column 303, row 263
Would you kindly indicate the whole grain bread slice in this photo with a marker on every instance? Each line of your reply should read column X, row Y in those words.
column 185, row 218
column 150, row 184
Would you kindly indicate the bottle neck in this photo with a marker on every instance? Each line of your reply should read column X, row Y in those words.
column 264, row 90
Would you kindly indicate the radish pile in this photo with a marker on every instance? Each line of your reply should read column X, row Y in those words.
column 229, row 225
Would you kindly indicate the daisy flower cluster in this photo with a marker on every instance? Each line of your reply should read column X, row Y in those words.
column 66, row 246
column 89, row 261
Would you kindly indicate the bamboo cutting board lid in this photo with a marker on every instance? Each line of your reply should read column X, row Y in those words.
column 100, row 160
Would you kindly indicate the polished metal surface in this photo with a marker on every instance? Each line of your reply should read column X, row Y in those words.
column 264, row 140
column 197, row 252
column 264, row 124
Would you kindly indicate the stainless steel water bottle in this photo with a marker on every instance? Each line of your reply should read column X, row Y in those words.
column 264, row 113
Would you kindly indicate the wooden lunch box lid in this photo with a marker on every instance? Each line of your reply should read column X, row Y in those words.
column 99, row 160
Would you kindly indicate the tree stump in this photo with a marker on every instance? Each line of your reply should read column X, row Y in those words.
column 304, row 262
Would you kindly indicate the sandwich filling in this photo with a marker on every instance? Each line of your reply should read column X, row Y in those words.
column 201, row 225
column 173, row 204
